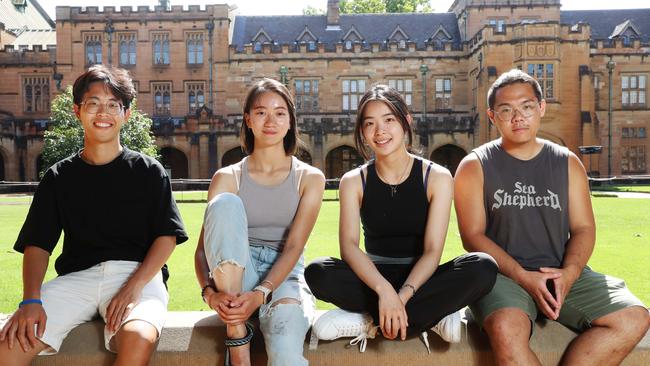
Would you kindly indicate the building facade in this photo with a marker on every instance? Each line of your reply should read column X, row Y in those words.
column 193, row 66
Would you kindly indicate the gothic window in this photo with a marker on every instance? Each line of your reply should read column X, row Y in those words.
column 306, row 95
column 443, row 93
column 633, row 91
column 195, row 96
column 93, row 43
column 127, row 44
column 195, row 48
column 352, row 91
column 161, row 48
column 36, row 93
column 162, row 98
column 545, row 75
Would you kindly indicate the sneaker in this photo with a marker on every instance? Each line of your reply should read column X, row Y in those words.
column 448, row 328
column 339, row 323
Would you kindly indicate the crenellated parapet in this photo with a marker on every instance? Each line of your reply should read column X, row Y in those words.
column 141, row 13
column 37, row 56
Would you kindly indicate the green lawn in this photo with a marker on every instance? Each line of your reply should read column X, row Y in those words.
column 615, row 188
column 622, row 250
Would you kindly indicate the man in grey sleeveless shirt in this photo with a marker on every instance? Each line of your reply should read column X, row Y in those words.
column 526, row 202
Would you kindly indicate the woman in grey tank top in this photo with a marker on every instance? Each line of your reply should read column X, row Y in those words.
column 260, row 213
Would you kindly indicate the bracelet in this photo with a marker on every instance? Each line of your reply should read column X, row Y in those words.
column 204, row 289
column 409, row 286
column 270, row 283
column 30, row 301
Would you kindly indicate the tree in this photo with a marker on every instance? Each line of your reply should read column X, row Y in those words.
column 362, row 6
column 310, row 10
column 385, row 6
column 66, row 136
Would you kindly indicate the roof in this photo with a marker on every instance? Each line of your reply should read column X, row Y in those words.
column 29, row 38
column 18, row 18
column 604, row 22
column 373, row 28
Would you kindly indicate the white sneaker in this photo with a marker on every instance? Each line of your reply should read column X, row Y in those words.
column 449, row 328
column 339, row 323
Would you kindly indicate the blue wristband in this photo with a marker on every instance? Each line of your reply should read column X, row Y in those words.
column 30, row 301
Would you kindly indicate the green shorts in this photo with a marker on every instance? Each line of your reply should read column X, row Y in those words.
column 592, row 296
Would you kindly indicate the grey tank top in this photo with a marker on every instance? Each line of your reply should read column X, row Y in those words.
column 526, row 203
column 270, row 209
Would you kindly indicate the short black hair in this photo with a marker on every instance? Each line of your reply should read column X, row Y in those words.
column 116, row 80
column 291, row 139
column 511, row 77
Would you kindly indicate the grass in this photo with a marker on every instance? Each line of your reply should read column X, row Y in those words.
column 615, row 188
column 622, row 250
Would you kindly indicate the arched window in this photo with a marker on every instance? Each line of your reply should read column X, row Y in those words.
column 132, row 52
column 124, row 53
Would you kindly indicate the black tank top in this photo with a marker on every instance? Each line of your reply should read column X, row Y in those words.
column 526, row 203
column 393, row 225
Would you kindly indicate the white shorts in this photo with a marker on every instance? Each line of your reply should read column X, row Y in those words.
column 78, row 297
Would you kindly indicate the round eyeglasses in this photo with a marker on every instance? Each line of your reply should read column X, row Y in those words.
column 507, row 113
column 112, row 107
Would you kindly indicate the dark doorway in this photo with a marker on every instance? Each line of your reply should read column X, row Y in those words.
column 448, row 156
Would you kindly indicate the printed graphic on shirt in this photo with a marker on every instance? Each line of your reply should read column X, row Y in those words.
column 525, row 196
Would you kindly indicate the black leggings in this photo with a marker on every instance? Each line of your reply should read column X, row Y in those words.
column 452, row 286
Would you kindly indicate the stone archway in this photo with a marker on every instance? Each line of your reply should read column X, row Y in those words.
column 175, row 161
column 340, row 160
column 448, row 156
column 232, row 156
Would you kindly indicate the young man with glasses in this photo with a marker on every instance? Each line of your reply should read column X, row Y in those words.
column 120, row 225
column 526, row 202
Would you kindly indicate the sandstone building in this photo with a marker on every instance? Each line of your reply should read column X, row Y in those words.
column 193, row 66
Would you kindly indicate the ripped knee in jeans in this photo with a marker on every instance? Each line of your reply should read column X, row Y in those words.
column 226, row 262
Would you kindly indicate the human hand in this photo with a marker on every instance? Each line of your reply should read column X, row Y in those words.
column 121, row 305
column 560, row 286
column 20, row 327
column 534, row 283
column 392, row 315
column 240, row 308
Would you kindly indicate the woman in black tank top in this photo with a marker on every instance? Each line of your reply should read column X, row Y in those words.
column 403, row 203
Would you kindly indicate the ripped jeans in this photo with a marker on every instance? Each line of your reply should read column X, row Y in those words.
column 226, row 241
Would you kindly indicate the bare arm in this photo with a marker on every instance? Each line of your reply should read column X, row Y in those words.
column 129, row 295
column 20, row 326
column 582, row 228
column 472, row 223
column 440, row 189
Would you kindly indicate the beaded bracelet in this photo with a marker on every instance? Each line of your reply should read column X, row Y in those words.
column 30, row 301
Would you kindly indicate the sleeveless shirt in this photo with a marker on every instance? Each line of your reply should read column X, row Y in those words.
column 393, row 226
column 270, row 209
column 526, row 203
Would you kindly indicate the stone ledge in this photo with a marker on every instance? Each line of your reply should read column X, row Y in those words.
column 190, row 338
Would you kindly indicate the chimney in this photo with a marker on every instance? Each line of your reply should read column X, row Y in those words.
column 333, row 15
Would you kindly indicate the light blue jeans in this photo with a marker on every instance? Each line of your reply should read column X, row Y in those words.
column 226, row 241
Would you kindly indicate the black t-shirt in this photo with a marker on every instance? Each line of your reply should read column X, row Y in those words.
column 107, row 212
